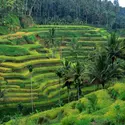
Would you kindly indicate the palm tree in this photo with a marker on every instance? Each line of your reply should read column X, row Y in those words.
column 52, row 42
column 65, row 74
column 77, row 75
column 115, row 47
column 101, row 70
column 74, row 48
column 30, row 68
column 68, row 83
column 59, row 73
column 2, row 91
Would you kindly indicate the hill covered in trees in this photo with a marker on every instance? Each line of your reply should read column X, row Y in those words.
column 97, row 12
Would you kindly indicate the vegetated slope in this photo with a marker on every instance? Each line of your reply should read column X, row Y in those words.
column 102, row 107
column 27, row 47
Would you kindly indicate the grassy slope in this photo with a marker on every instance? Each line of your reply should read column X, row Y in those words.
column 108, row 107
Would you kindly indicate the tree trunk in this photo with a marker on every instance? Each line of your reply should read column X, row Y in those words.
column 31, row 92
column 26, row 7
column 59, row 94
column 86, row 19
column 78, row 96
column 103, row 85
column 68, row 95
column 31, row 9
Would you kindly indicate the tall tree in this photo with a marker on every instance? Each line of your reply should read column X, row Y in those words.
column 30, row 68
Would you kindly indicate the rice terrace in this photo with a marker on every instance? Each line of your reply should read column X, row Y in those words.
column 62, row 62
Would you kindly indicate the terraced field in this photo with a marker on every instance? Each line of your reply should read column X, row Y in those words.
column 101, row 107
column 19, row 50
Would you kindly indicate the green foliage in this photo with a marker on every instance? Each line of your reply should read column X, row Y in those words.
column 12, row 50
column 30, row 39
column 93, row 102
column 4, row 30
column 69, row 120
column 18, row 41
column 46, row 89
column 114, row 93
column 26, row 21
column 79, row 106
column 11, row 23
column 22, row 85
column 102, row 70
column 83, row 122
column 11, row 20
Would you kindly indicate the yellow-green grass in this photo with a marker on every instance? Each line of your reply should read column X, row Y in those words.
column 4, row 69
column 9, row 86
column 16, row 35
column 42, row 71
column 20, row 94
column 105, row 109
column 66, row 26
column 16, row 99
column 45, row 103
column 51, row 94
column 26, row 75
column 40, row 62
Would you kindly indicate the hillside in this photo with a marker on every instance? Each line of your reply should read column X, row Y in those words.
column 102, row 107
column 29, row 47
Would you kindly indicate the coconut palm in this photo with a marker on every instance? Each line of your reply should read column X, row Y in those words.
column 65, row 73
column 115, row 47
column 101, row 70
column 78, row 70
column 67, row 76
column 52, row 42
column 74, row 49
column 59, row 73
column 2, row 91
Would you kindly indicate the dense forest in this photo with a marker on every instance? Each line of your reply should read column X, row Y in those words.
column 97, row 12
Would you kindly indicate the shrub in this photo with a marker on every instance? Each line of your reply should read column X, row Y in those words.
column 30, row 39
column 12, row 22
column 18, row 41
column 42, row 120
column 113, row 93
column 93, row 101
column 80, row 106
column 122, row 95
column 3, row 30
column 70, row 120
column 83, row 122
column 26, row 21
column 22, row 85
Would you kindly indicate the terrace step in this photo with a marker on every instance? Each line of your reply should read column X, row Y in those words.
column 10, row 94
column 16, row 99
column 22, row 59
column 48, row 62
